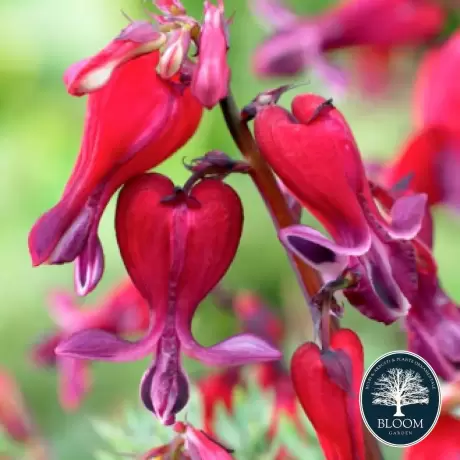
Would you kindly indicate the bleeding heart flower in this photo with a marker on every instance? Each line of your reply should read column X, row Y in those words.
column 122, row 311
column 211, row 77
column 327, row 382
column 134, row 121
column 314, row 153
column 299, row 43
column 176, row 248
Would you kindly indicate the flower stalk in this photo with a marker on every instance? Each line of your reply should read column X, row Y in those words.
column 265, row 182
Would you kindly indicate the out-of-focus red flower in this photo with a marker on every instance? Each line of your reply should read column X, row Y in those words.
column 16, row 420
column 190, row 443
column 134, row 121
column 327, row 383
column 300, row 43
column 217, row 388
column 431, row 155
column 122, row 311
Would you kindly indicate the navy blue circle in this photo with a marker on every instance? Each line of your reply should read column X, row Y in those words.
column 400, row 398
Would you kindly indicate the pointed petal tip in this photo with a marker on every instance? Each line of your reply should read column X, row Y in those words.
column 235, row 351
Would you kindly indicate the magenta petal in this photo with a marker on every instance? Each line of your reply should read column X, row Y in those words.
column 71, row 74
column 235, row 351
column 104, row 346
column 422, row 342
column 318, row 251
column 407, row 216
column 89, row 266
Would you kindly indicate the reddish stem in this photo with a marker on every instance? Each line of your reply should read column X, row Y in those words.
column 268, row 188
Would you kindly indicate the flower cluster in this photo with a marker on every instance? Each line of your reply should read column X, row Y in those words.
column 146, row 91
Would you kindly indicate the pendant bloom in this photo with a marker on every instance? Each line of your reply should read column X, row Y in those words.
column 327, row 384
column 134, row 121
column 176, row 247
column 123, row 311
column 314, row 153
column 301, row 43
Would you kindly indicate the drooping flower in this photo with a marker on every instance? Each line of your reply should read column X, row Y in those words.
column 314, row 153
column 176, row 247
column 300, row 43
column 211, row 76
column 134, row 121
column 123, row 311
column 432, row 153
column 327, row 383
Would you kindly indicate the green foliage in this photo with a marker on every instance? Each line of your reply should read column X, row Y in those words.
column 244, row 430
column 8, row 448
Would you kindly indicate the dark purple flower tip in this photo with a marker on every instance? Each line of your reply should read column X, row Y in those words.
column 164, row 393
column 89, row 265
column 56, row 238
column 339, row 368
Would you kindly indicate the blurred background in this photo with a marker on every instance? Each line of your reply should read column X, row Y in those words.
column 40, row 129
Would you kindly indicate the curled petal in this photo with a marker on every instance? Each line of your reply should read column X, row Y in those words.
column 92, row 74
column 235, row 351
column 318, row 251
column 175, row 52
column 377, row 299
column 407, row 216
column 89, row 266
column 104, row 346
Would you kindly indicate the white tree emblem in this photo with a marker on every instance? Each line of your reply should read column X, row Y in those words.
column 399, row 387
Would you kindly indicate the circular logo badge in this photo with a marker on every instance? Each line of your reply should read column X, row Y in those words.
column 400, row 398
